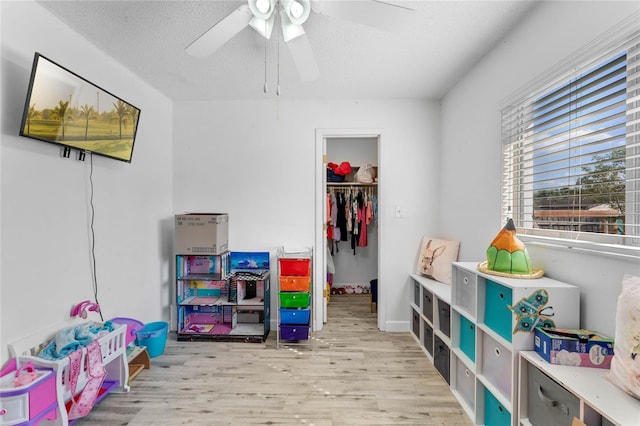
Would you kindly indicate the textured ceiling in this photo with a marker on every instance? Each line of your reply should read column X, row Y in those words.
column 422, row 60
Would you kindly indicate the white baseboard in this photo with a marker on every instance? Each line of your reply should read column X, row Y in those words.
column 397, row 326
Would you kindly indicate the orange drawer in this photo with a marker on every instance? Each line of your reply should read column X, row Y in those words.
column 294, row 283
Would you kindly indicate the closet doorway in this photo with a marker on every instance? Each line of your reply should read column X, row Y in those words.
column 355, row 264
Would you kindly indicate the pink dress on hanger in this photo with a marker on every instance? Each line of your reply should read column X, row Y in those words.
column 362, row 218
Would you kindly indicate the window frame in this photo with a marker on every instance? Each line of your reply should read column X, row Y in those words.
column 621, row 38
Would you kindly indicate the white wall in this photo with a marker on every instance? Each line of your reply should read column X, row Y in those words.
column 45, row 238
column 470, row 207
column 256, row 161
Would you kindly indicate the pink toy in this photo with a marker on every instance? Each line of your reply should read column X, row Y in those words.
column 28, row 396
column 25, row 374
column 9, row 367
column 81, row 309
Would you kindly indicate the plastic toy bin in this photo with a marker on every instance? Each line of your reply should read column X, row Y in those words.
column 295, row 316
column 133, row 326
column 294, row 300
column 154, row 337
column 294, row 283
column 294, row 332
column 295, row 267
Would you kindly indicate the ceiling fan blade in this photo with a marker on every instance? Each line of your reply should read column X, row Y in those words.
column 378, row 14
column 303, row 57
column 221, row 32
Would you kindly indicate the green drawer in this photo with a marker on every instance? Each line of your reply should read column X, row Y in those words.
column 294, row 299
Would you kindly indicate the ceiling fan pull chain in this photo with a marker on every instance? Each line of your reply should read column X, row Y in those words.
column 265, row 88
column 278, row 67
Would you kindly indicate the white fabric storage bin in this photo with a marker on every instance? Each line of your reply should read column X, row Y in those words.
column 464, row 290
column 496, row 364
column 464, row 383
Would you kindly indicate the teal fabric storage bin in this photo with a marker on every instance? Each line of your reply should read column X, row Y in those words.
column 494, row 413
column 497, row 314
column 468, row 338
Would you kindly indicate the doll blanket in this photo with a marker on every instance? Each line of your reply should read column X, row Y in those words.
column 70, row 339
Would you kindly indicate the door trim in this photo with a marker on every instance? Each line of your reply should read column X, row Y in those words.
column 319, row 260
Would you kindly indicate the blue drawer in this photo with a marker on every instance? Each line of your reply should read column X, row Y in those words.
column 468, row 338
column 295, row 316
column 497, row 314
column 494, row 413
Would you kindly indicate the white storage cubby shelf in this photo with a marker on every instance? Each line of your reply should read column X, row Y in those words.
column 487, row 335
column 430, row 323
column 597, row 400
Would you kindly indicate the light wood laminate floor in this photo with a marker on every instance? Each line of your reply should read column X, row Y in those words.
column 353, row 374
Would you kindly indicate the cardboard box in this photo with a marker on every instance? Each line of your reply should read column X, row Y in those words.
column 201, row 233
column 581, row 348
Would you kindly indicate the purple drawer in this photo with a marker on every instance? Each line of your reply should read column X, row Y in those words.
column 294, row 332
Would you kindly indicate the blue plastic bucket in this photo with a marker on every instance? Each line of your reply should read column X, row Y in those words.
column 154, row 337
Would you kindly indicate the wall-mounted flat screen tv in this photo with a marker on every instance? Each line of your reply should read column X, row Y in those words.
column 65, row 109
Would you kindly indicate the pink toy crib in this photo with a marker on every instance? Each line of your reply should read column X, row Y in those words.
column 27, row 403
column 113, row 349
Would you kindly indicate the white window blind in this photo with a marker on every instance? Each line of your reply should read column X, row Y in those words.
column 571, row 152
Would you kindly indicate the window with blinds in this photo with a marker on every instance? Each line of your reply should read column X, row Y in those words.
column 571, row 153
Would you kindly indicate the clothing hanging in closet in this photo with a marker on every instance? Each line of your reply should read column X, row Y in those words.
column 349, row 212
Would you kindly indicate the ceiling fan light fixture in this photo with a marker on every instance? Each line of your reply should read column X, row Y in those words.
column 263, row 27
column 297, row 10
column 263, row 5
column 289, row 29
column 262, row 9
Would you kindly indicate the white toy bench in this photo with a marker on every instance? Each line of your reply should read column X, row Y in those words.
column 114, row 359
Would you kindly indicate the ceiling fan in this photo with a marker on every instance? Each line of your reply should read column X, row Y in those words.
column 261, row 16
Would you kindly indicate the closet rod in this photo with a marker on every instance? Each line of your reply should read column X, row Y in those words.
column 350, row 184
